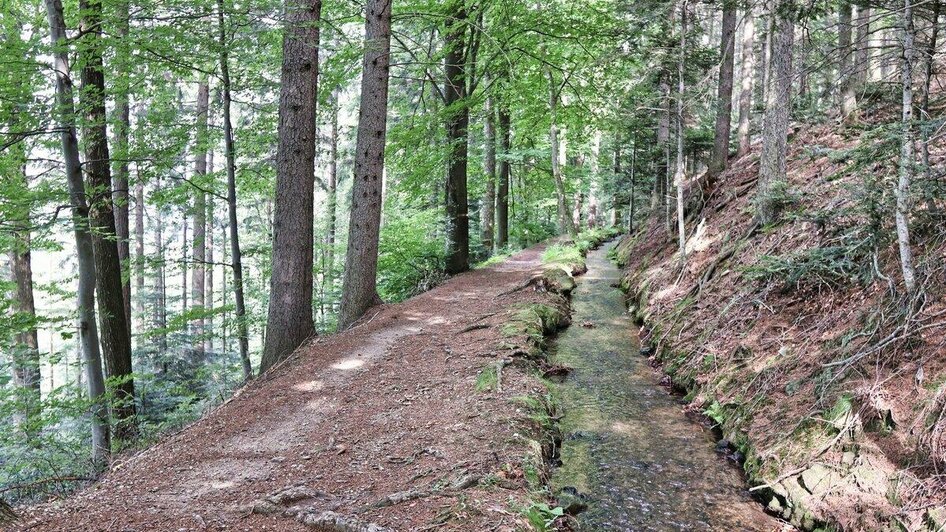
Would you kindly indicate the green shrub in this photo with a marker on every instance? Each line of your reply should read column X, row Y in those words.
column 410, row 259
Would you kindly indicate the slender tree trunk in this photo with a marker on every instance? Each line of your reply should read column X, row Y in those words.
column 160, row 282
column 487, row 213
column 616, row 213
column 209, row 269
column 290, row 308
column 907, row 161
column 236, row 256
column 88, row 332
column 680, row 177
column 359, row 288
column 26, row 361
column 631, row 206
column 775, row 121
column 199, row 244
column 862, row 48
column 140, row 246
column 663, row 144
column 929, row 63
column 184, row 259
column 328, row 258
column 566, row 223
column 727, row 48
column 846, row 75
column 123, row 125
column 115, row 339
column 502, row 189
column 746, row 89
column 593, row 200
column 458, row 118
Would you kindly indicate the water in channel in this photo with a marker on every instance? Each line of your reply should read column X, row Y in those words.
column 626, row 443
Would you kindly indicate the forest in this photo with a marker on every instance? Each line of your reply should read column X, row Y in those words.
column 197, row 195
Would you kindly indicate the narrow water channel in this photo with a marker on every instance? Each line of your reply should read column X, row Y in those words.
column 626, row 443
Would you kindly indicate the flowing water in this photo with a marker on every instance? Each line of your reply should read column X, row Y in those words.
column 626, row 443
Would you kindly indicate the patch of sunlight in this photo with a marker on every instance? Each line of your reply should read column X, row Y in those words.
column 311, row 386
column 665, row 292
column 223, row 485
column 435, row 320
column 623, row 428
column 349, row 363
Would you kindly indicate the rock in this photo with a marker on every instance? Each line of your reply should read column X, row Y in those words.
column 935, row 518
column 818, row 479
column 723, row 445
column 572, row 501
column 647, row 351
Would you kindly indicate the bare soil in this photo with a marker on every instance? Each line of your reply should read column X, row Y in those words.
column 380, row 424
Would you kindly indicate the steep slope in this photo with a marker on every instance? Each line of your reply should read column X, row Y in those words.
column 385, row 426
column 792, row 337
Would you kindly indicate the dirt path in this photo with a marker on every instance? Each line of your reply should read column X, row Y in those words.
column 353, row 419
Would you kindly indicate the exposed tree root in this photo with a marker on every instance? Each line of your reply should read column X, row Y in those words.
column 7, row 515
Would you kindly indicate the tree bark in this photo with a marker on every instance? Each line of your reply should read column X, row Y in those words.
column 929, row 70
column 846, row 75
column 680, row 177
column 328, row 254
column 236, row 256
column 88, row 332
column 616, row 214
column 359, row 287
column 566, row 223
column 631, row 206
column 727, row 48
column 123, row 126
column 209, row 269
column 140, row 246
column 502, row 188
column 744, row 134
column 115, row 339
column 199, row 244
column 487, row 212
column 160, row 282
column 458, row 118
column 902, row 191
column 862, row 48
column 776, row 119
column 290, row 307
column 26, row 361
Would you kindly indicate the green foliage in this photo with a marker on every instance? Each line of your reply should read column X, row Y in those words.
column 410, row 260
column 832, row 266
column 542, row 516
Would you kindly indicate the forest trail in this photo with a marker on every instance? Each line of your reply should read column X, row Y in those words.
column 383, row 409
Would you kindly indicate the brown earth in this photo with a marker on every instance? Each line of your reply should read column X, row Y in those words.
column 380, row 424
column 833, row 386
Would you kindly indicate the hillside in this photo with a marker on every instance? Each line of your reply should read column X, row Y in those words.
column 796, row 337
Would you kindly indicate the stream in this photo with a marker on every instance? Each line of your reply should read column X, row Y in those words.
column 627, row 445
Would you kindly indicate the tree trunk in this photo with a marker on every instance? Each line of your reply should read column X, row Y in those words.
column 663, row 144
column 566, row 223
column 184, row 259
column 160, row 282
column 745, row 92
column 929, row 71
column 209, row 269
column 727, row 48
column 88, row 332
column 846, row 75
column 359, row 288
column 631, row 206
column 122, row 127
column 902, row 191
column 140, row 246
column 616, row 214
column 26, row 361
column 489, row 198
column 236, row 256
column 115, row 339
column 680, row 177
column 199, row 244
column 290, row 308
column 775, row 121
column 458, row 118
column 862, row 48
column 502, row 189
column 328, row 254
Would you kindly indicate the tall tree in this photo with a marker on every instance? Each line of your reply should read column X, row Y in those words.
column 775, row 121
column 26, row 358
column 331, row 204
column 488, row 208
column 907, row 156
column 679, row 180
column 727, row 48
column 359, row 287
column 290, row 304
column 236, row 255
column 458, row 119
column 846, row 85
column 115, row 339
column 862, row 47
column 88, row 332
column 122, row 127
column 744, row 138
column 502, row 187
column 199, row 247
column 566, row 224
